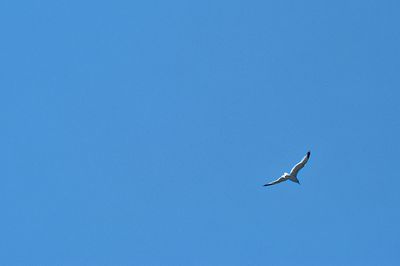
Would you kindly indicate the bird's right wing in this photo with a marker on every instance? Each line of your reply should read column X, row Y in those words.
column 300, row 165
column 280, row 179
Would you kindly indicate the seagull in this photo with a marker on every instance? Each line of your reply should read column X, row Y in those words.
column 293, row 173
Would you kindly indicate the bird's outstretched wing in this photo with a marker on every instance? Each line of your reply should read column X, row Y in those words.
column 280, row 179
column 300, row 165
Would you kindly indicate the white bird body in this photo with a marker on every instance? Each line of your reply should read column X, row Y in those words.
column 293, row 173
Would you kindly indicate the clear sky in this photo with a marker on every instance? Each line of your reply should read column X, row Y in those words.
column 141, row 132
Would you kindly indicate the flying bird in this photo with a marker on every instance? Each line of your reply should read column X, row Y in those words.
column 293, row 173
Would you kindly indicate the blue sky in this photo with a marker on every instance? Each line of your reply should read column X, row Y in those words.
column 141, row 132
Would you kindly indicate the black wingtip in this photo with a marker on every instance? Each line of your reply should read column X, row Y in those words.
column 308, row 154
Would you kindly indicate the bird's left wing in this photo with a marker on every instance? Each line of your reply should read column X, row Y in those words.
column 280, row 179
column 300, row 165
